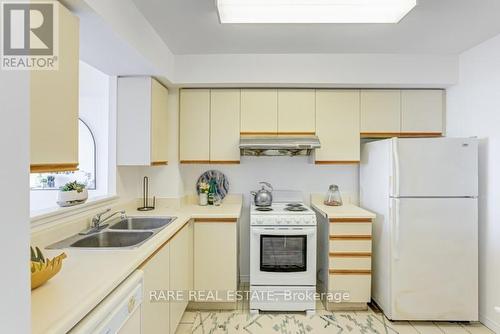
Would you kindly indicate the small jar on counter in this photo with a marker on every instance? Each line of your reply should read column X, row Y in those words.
column 333, row 197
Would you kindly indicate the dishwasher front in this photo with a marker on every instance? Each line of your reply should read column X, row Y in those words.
column 119, row 312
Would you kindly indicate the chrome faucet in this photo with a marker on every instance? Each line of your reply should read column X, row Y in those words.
column 97, row 221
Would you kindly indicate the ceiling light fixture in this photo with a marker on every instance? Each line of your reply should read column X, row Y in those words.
column 313, row 11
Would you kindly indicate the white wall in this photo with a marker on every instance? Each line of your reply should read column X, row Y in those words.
column 283, row 173
column 317, row 70
column 15, row 316
column 474, row 110
column 117, row 39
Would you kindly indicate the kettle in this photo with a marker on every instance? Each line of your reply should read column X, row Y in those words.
column 263, row 197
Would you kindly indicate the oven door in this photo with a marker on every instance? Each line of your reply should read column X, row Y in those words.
column 283, row 256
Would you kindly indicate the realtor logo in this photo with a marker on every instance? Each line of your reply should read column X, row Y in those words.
column 29, row 36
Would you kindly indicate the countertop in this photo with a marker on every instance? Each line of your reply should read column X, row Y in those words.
column 88, row 276
column 345, row 211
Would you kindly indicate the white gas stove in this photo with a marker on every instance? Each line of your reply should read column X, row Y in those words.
column 282, row 258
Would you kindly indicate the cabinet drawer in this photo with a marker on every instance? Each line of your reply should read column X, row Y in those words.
column 350, row 228
column 358, row 286
column 351, row 245
column 350, row 263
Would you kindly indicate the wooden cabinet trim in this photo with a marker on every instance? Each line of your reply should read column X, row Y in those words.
column 159, row 163
column 379, row 134
column 350, row 237
column 195, row 161
column 350, row 220
column 400, row 134
column 349, row 272
column 45, row 168
column 323, row 162
column 344, row 254
column 215, row 220
column 224, row 162
column 284, row 133
column 213, row 162
column 420, row 134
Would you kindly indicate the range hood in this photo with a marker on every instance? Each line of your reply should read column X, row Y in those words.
column 278, row 145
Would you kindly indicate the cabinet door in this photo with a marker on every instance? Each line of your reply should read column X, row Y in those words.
column 296, row 109
column 54, row 104
column 195, row 126
column 225, row 126
column 422, row 112
column 215, row 256
column 181, row 275
column 337, row 126
column 159, row 129
column 155, row 315
column 380, row 112
column 259, row 111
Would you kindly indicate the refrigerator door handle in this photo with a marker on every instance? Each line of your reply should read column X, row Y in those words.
column 395, row 162
column 395, row 219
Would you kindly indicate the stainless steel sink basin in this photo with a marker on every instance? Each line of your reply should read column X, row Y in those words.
column 113, row 239
column 142, row 223
column 127, row 233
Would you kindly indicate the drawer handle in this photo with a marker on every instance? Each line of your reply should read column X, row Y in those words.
column 350, row 272
column 350, row 237
column 131, row 304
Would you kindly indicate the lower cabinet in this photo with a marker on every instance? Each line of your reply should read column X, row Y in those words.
column 349, row 262
column 169, row 269
column 181, row 273
column 216, row 260
column 155, row 314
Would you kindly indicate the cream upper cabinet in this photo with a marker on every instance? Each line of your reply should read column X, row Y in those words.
column 225, row 125
column 181, row 275
column 141, row 122
column 54, row 104
column 155, row 315
column 159, row 123
column 296, row 111
column 215, row 256
column 194, row 126
column 380, row 112
column 337, row 126
column 259, row 111
column 422, row 111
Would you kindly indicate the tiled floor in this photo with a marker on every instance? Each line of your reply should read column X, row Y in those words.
column 378, row 323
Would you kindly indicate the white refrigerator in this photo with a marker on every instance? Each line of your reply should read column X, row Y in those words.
column 425, row 237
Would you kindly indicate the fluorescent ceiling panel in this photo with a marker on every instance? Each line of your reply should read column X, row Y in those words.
column 313, row 11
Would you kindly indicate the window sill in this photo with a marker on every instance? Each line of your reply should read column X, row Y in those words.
column 46, row 216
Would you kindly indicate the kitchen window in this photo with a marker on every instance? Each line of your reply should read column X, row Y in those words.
column 86, row 173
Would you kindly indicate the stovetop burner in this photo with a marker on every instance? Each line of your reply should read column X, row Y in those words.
column 294, row 205
column 296, row 208
column 264, row 209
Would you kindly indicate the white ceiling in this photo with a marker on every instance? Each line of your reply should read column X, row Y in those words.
column 434, row 26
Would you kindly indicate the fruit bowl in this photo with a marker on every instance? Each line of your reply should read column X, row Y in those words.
column 43, row 269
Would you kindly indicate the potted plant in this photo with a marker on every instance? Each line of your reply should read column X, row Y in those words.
column 72, row 193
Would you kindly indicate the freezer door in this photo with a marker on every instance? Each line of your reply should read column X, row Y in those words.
column 434, row 271
column 435, row 167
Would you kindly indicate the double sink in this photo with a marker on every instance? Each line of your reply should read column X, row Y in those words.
column 130, row 232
